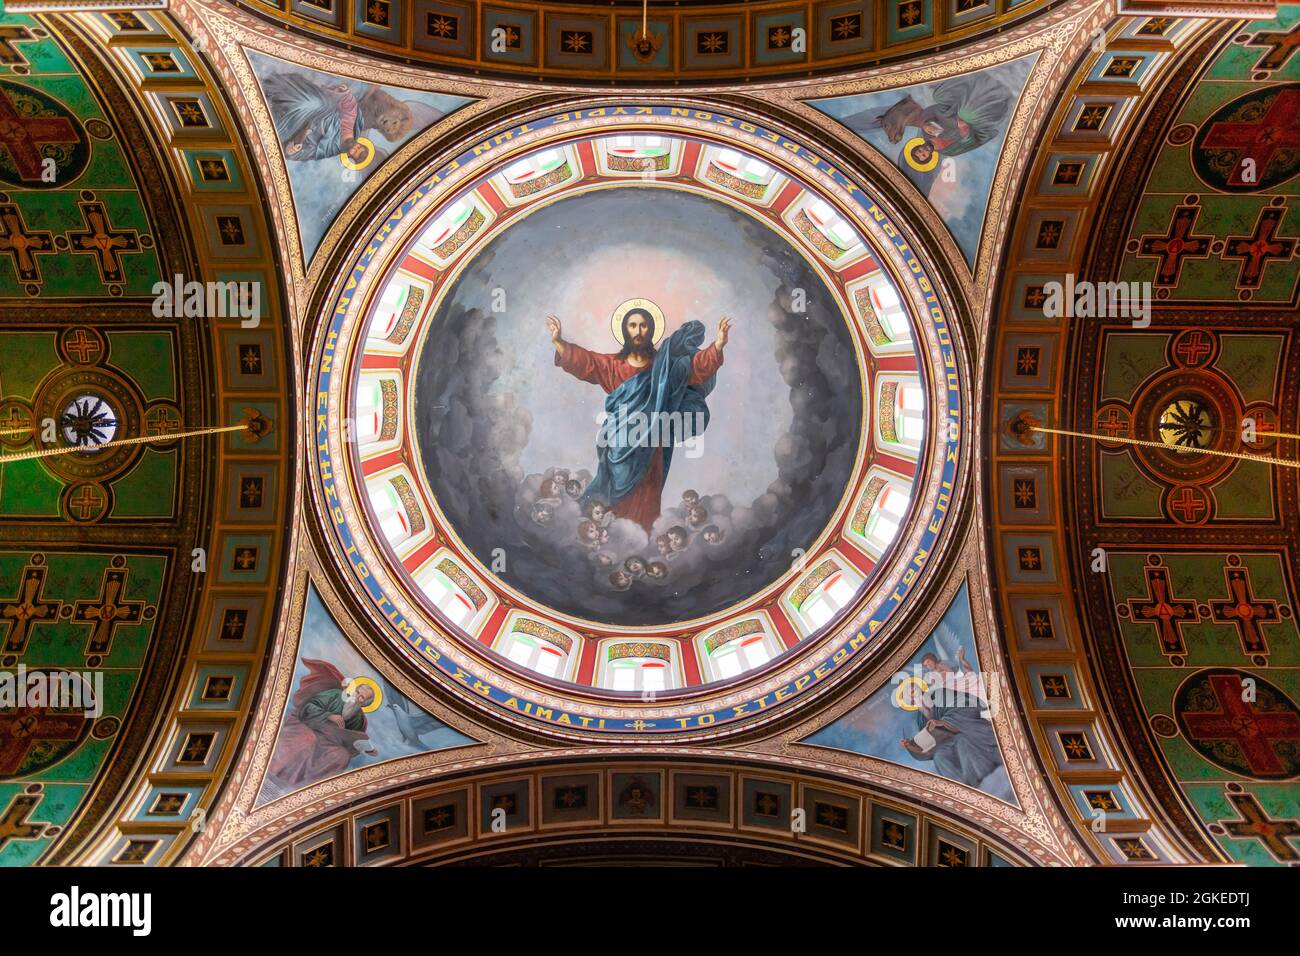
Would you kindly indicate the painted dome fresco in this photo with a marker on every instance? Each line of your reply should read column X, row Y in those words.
column 628, row 515
column 844, row 432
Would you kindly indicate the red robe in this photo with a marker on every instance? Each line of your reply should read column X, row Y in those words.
column 311, row 747
column 642, row 503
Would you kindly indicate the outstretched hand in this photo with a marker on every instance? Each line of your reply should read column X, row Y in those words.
column 553, row 326
column 724, row 332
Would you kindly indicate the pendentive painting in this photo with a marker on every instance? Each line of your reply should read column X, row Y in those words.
column 639, row 405
column 936, row 714
column 945, row 137
column 342, row 714
column 334, row 132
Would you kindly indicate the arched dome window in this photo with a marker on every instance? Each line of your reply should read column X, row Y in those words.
column 453, row 592
column 390, row 512
column 539, row 164
column 538, row 647
column 827, row 588
column 738, row 648
column 886, row 516
column 900, row 407
column 638, row 666
column 832, row 225
column 747, row 168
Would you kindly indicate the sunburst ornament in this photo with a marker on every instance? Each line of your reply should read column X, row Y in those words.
column 88, row 422
column 1186, row 423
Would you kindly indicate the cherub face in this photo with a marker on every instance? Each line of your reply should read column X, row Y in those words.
column 932, row 665
column 588, row 532
column 598, row 511
column 573, row 488
column 697, row 516
column 657, row 570
column 620, row 581
column 712, row 535
column 690, row 497
column 677, row 539
column 663, row 544
column 634, row 566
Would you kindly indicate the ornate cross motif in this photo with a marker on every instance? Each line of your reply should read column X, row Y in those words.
column 82, row 347
column 26, row 609
column 1194, row 348
column 1256, row 250
column 1255, row 824
column 1259, row 139
column 1188, row 505
column 21, row 245
column 10, row 55
column 1281, row 47
column 87, row 502
column 100, row 240
column 1164, row 611
column 1242, row 609
column 30, row 728
column 14, row 824
column 22, row 137
column 1113, row 424
column 1253, row 732
column 1176, row 245
column 107, row 611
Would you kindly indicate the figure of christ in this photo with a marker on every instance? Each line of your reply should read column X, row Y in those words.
column 673, row 379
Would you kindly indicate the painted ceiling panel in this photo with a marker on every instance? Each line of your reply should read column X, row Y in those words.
column 90, row 582
column 344, row 568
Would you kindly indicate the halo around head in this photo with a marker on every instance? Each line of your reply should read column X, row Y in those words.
column 900, row 692
column 616, row 321
column 374, row 688
column 926, row 166
column 351, row 163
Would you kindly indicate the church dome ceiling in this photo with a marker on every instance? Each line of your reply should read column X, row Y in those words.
column 464, row 504
column 840, row 432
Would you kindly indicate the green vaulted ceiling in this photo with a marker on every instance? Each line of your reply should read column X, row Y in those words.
column 105, row 555
column 1173, row 573
column 93, row 550
column 1201, row 594
column 1117, row 595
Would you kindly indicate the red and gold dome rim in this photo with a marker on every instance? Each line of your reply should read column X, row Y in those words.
column 354, row 348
